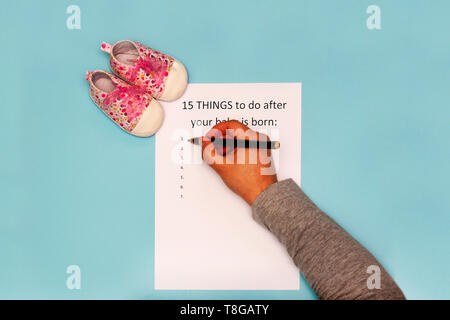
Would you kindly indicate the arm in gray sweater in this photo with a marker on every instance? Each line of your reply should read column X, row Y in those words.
column 334, row 264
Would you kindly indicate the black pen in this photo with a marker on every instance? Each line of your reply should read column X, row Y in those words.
column 236, row 143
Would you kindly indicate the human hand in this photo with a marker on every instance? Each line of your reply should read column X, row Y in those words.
column 247, row 172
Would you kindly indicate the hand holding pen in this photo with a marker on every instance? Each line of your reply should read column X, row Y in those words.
column 241, row 156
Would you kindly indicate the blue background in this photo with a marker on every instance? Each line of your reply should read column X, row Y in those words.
column 75, row 189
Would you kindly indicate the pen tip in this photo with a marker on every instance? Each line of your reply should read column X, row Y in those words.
column 277, row 145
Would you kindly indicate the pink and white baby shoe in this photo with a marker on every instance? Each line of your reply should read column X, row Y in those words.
column 162, row 76
column 130, row 107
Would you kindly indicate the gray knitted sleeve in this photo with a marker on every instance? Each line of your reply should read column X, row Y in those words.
column 333, row 263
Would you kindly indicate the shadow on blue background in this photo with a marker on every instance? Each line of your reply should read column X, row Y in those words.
column 74, row 189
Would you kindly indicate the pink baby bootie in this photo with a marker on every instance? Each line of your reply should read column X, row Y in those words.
column 162, row 76
column 130, row 107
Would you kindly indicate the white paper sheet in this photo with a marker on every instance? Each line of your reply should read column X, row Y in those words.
column 205, row 237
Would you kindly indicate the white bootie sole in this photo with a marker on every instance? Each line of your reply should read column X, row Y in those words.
column 150, row 121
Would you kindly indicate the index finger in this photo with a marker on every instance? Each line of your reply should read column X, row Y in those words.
column 227, row 125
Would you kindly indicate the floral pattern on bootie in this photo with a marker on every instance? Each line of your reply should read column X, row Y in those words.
column 147, row 68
